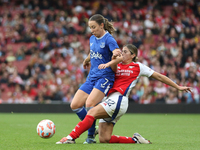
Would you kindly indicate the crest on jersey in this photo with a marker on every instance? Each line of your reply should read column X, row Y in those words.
column 102, row 45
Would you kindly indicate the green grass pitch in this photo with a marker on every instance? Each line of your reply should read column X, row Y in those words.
column 166, row 132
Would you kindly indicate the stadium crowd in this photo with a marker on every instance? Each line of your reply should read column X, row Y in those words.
column 43, row 45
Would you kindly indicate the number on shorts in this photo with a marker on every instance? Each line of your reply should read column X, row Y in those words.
column 103, row 85
column 110, row 102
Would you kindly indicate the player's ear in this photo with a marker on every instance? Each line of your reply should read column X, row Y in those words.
column 133, row 55
column 101, row 25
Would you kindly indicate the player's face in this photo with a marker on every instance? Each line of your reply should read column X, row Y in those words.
column 127, row 56
column 96, row 29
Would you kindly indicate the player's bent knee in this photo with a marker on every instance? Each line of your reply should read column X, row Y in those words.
column 90, row 104
column 75, row 105
column 104, row 140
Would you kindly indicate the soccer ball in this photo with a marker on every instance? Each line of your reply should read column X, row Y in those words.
column 46, row 128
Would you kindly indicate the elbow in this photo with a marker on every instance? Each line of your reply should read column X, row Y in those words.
column 157, row 76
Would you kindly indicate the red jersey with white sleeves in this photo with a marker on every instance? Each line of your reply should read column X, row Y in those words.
column 127, row 76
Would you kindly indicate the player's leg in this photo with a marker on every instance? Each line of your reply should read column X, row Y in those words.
column 94, row 98
column 94, row 113
column 116, row 106
column 105, row 131
column 78, row 102
column 101, row 88
column 105, row 135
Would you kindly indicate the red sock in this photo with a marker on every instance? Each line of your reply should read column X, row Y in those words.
column 82, row 126
column 121, row 139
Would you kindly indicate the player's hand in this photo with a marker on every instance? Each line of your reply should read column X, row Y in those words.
column 103, row 66
column 185, row 89
column 116, row 52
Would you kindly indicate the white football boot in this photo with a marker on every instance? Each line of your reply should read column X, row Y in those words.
column 64, row 140
column 140, row 140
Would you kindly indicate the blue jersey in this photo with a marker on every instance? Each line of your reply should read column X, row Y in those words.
column 101, row 53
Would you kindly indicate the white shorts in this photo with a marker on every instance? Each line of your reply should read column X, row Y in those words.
column 115, row 105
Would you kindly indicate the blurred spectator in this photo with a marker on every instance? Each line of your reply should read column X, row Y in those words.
column 12, row 98
column 35, row 3
column 9, row 21
column 20, row 55
column 25, row 75
column 69, row 96
column 51, row 33
column 171, row 98
column 60, row 5
column 37, row 13
column 4, row 78
column 148, row 23
column 148, row 37
column 2, row 53
column 10, row 57
column 160, row 99
column 75, row 43
column 26, row 4
column 189, row 98
column 15, row 78
column 133, row 96
column 146, row 98
column 66, row 50
column 45, row 4
column 10, row 68
column 26, row 99
column 41, row 97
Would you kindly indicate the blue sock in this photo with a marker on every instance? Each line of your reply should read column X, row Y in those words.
column 81, row 112
column 91, row 130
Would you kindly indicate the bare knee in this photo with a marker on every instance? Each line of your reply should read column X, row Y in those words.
column 90, row 103
column 79, row 99
column 105, row 132
column 104, row 139
column 76, row 105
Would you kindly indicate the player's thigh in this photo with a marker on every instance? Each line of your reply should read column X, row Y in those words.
column 94, row 98
column 98, row 112
column 105, row 131
column 79, row 99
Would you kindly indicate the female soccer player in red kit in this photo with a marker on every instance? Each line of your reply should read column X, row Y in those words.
column 116, row 104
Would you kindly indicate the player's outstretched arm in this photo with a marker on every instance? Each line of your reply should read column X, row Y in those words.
column 113, row 63
column 168, row 81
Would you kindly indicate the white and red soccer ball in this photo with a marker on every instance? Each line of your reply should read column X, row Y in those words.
column 46, row 128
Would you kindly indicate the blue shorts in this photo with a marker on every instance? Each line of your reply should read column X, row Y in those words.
column 102, row 84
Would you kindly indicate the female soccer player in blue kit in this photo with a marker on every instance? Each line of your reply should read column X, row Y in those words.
column 102, row 48
column 116, row 104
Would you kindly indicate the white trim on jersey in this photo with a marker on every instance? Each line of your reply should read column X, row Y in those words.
column 102, row 36
column 131, row 87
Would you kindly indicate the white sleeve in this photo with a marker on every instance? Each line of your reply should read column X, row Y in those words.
column 144, row 70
